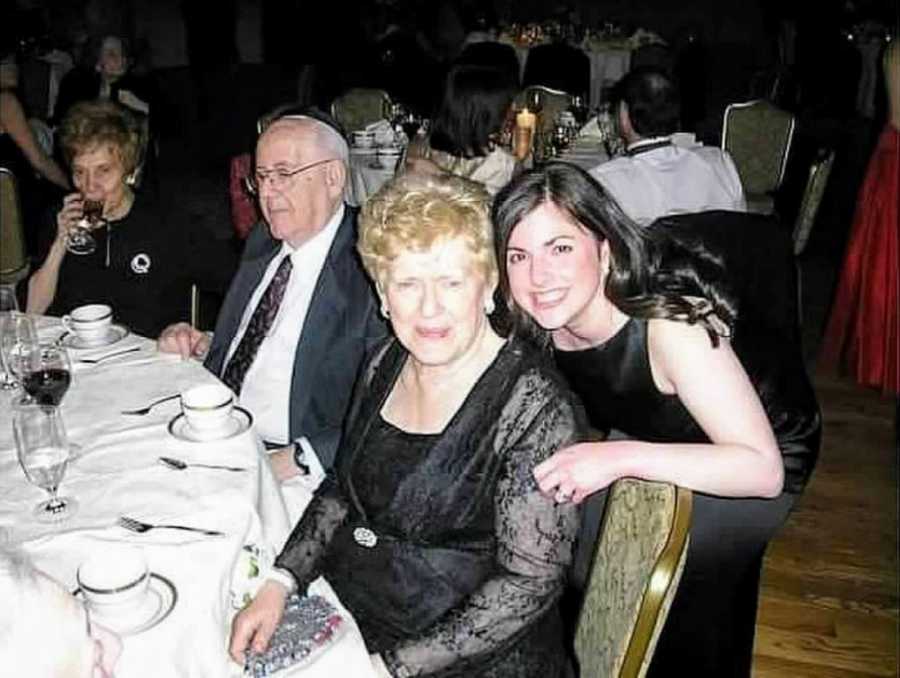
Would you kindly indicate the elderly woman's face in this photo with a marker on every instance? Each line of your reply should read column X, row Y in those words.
column 111, row 63
column 436, row 301
column 554, row 268
column 98, row 173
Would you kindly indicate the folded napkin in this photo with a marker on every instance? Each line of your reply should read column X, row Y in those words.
column 592, row 130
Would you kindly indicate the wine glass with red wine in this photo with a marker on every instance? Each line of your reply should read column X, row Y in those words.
column 80, row 240
column 48, row 374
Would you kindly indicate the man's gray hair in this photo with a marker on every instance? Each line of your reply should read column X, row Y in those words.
column 326, row 136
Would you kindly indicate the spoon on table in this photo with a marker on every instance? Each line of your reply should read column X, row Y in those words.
column 179, row 465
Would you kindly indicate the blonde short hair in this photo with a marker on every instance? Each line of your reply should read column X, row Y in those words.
column 414, row 211
column 90, row 124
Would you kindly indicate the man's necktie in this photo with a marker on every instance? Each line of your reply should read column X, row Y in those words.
column 258, row 327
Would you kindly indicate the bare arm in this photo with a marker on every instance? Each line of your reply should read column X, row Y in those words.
column 42, row 285
column 13, row 119
column 743, row 459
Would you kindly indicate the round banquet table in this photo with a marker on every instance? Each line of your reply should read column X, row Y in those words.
column 118, row 474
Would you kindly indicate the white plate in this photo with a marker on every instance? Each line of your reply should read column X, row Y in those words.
column 116, row 333
column 156, row 606
column 364, row 150
column 239, row 421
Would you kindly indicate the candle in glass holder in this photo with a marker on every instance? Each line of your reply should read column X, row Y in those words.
column 526, row 122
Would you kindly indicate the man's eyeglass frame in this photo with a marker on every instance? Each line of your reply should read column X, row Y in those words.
column 282, row 179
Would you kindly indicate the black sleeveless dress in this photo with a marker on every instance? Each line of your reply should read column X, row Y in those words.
column 709, row 631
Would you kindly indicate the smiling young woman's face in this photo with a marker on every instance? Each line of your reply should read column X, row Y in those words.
column 554, row 269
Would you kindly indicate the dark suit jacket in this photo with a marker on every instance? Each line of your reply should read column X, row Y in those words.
column 342, row 325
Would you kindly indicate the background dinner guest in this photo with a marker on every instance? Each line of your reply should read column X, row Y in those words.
column 300, row 315
column 138, row 266
column 76, row 647
column 645, row 346
column 21, row 153
column 466, row 129
column 656, row 178
column 431, row 528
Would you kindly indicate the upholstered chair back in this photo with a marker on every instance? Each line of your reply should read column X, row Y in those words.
column 819, row 171
column 637, row 565
column 758, row 136
column 14, row 263
column 360, row 106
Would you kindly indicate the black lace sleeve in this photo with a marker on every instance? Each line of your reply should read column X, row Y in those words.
column 534, row 546
column 303, row 553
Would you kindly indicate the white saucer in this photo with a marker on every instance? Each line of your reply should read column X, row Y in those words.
column 239, row 421
column 364, row 150
column 116, row 333
column 156, row 606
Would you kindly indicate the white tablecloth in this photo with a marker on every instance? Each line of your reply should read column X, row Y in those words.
column 118, row 474
column 366, row 176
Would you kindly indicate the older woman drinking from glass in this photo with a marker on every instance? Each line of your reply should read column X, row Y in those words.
column 111, row 245
column 431, row 529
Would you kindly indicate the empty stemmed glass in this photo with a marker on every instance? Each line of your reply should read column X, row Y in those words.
column 79, row 239
column 17, row 337
column 8, row 304
column 44, row 453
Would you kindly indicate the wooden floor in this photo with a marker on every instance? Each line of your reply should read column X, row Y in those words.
column 829, row 594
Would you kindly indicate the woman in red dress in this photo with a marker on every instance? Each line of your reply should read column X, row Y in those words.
column 862, row 333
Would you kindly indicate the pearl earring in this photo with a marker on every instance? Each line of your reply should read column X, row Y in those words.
column 489, row 306
column 385, row 311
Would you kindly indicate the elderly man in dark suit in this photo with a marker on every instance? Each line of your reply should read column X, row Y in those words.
column 300, row 315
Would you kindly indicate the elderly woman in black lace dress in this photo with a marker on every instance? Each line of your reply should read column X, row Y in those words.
column 431, row 528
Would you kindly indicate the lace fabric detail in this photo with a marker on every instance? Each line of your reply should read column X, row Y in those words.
column 502, row 622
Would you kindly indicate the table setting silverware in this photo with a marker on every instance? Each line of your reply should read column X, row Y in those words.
column 146, row 410
column 179, row 465
column 94, row 361
column 140, row 527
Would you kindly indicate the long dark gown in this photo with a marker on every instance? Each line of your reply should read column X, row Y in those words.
column 709, row 630
column 442, row 547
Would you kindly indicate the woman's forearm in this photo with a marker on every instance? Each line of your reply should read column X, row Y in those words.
column 42, row 285
column 50, row 170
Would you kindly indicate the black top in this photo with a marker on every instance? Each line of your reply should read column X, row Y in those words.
column 470, row 557
column 138, row 268
column 616, row 384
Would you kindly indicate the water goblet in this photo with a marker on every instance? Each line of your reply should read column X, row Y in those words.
column 48, row 374
column 17, row 336
column 79, row 239
column 43, row 449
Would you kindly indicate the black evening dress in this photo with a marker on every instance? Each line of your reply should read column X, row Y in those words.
column 448, row 556
column 709, row 630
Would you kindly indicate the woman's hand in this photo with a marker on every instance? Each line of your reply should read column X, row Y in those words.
column 71, row 212
column 575, row 472
column 254, row 625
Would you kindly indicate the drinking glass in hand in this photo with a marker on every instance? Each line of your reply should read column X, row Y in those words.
column 80, row 240
column 48, row 374
column 43, row 450
column 17, row 337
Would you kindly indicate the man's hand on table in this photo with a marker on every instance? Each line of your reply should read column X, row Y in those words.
column 283, row 465
column 184, row 339
column 254, row 625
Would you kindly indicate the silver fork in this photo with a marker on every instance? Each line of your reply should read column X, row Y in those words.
column 146, row 410
column 140, row 527
column 94, row 361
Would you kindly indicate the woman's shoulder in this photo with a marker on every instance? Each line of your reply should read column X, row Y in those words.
column 535, row 381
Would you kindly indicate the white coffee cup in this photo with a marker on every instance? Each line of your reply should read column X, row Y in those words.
column 362, row 138
column 89, row 323
column 389, row 155
column 114, row 580
column 207, row 408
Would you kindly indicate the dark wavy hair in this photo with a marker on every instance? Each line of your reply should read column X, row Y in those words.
column 651, row 275
column 472, row 110
column 654, row 104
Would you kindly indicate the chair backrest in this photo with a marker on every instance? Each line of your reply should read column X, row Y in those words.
column 636, row 569
column 360, row 106
column 758, row 136
column 559, row 66
column 812, row 198
column 14, row 263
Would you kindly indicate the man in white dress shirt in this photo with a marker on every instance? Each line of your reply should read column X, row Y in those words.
column 293, row 361
column 655, row 177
